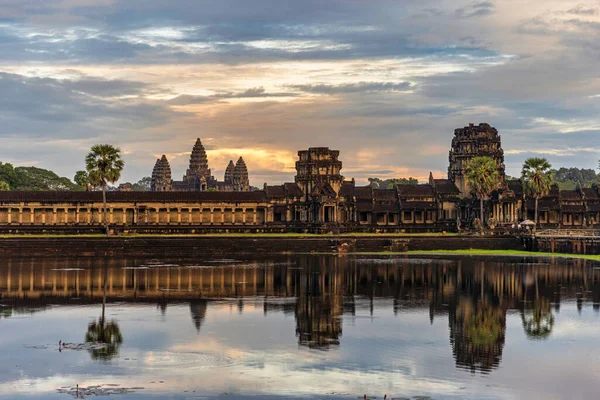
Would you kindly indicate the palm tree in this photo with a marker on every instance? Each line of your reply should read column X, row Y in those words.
column 104, row 165
column 537, row 179
column 483, row 177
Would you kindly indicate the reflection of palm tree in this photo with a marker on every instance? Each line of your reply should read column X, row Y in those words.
column 101, row 332
column 538, row 321
column 477, row 332
column 108, row 334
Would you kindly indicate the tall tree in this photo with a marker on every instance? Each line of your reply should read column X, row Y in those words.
column 82, row 179
column 104, row 165
column 4, row 186
column 483, row 176
column 537, row 179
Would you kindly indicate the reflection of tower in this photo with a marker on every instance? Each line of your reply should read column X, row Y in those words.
column 198, row 311
column 477, row 333
column 319, row 307
column 318, row 321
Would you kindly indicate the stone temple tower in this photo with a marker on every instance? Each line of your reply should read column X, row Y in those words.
column 318, row 166
column 161, row 176
column 473, row 141
column 241, row 182
column 229, row 173
column 198, row 176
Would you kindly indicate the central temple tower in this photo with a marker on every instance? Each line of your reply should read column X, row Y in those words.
column 198, row 176
column 473, row 141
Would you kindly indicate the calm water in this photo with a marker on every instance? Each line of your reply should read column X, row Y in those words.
column 301, row 326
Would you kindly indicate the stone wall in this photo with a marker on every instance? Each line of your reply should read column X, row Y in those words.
column 201, row 246
column 563, row 244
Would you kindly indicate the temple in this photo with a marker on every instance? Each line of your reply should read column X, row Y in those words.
column 198, row 177
column 319, row 200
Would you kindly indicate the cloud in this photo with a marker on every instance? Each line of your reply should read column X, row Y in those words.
column 252, row 93
column 583, row 10
column 477, row 9
column 358, row 87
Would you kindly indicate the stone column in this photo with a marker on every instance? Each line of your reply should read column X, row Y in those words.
column 243, row 216
column 190, row 219
column 20, row 215
column 157, row 219
column 124, row 220
column 254, row 216
column 222, row 216
column 179, row 216
column 212, row 215
column 9, row 216
column 110, row 216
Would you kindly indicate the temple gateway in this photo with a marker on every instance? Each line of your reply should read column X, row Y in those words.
column 319, row 200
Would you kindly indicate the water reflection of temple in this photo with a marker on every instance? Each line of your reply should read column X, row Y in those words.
column 473, row 295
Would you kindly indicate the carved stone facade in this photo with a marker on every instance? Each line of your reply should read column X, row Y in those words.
column 319, row 199
column 198, row 177
column 473, row 141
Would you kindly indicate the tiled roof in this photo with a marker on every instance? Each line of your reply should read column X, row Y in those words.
column 276, row 192
column 381, row 208
column 347, row 189
column 365, row 192
column 570, row 195
column 572, row 208
column 364, row 205
column 545, row 203
column 589, row 193
column 415, row 190
column 72, row 197
column 516, row 186
column 593, row 207
column 293, row 190
column 385, row 194
column 445, row 186
column 417, row 205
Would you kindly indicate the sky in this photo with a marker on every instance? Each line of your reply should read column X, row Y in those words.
column 386, row 82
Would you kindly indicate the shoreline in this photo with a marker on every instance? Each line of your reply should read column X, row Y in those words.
column 196, row 245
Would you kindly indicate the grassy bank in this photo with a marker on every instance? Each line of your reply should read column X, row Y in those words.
column 500, row 253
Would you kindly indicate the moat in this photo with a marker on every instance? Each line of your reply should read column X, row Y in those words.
column 300, row 326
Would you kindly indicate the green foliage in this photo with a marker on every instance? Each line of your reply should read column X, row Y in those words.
column 537, row 177
column 212, row 190
column 143, row 185
column 33, row 178
column 567, row 178
column 483, row 176
column 104, row 164
column 391, row 183
column 4, row 186
column 82, row 179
